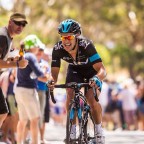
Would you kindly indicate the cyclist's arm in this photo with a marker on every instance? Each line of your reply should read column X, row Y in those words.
column 96, row 60
column 54, row 73
column 101, row 72
column 56, row 62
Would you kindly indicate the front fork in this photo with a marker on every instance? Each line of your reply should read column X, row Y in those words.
column 77, row 108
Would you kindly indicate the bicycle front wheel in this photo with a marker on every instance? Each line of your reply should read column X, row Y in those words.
column 70, row 119
column 89, row 129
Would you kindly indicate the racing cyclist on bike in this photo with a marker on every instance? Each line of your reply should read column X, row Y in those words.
column 84, row 63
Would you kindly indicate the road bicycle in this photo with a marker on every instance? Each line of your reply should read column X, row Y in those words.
column 85, row 131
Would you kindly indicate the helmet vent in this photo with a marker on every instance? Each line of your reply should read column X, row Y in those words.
column 69, row 26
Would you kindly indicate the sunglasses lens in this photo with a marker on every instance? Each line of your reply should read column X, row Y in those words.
column 70, row 37
column 23, row 24
column 19, row 23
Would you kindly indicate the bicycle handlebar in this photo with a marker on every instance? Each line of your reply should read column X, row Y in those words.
column 52, row 96
column 72, row 85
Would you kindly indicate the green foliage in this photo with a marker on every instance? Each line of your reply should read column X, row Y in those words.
column 104, row 53
column 130, row 58
column 119, row 21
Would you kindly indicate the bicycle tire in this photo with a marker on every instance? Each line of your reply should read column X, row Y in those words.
column 88, row 129
column 69, row 125
column 79, row 135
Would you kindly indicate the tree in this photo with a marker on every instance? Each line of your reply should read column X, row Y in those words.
column 104, row 21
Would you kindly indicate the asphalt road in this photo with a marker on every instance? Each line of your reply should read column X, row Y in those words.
column 55, row 134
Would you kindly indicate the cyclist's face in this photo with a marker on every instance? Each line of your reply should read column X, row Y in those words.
column 68, row 41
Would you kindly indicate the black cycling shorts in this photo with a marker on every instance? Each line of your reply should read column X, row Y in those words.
column 3, row 104
column 79, row 74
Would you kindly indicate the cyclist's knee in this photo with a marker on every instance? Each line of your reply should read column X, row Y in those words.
column 95, row 105
column 70, row 94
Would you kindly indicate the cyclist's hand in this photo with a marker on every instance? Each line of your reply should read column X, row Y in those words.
column 22, row 63
column 51, row 84
column 95, row 82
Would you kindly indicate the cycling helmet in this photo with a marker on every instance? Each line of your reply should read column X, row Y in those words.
column 32, row 41
column 69, row 26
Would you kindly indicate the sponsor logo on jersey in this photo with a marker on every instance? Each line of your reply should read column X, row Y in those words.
column 58, row 46
column 84, row 43
column 66, row 58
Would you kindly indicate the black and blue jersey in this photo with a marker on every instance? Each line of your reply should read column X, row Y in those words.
column 86, row 54
column 82, row 66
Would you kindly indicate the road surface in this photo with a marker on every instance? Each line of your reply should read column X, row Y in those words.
column 55, row 134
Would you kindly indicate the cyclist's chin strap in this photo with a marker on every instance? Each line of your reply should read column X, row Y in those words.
column 74, row 45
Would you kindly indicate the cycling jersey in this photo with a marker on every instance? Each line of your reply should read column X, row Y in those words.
column 86, row 54
column 82, row 67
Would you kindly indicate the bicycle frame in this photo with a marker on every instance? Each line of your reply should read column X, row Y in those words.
column 82, row 112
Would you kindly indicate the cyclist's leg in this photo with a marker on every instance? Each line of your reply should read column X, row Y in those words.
column 96, row 111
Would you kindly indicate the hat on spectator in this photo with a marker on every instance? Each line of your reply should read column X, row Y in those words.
column 18, row 17
column 32, row 41
column 42, row 46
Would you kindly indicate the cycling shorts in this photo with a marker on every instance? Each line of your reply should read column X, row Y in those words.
column 79, row 74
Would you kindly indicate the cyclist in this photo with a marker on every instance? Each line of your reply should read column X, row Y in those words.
column 84, row 63
column 16, row 25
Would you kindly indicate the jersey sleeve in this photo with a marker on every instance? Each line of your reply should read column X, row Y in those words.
column 56, row 60
column 92, row 53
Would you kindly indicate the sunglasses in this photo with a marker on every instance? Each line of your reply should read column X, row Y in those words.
column 19, row 23
column 70, row 37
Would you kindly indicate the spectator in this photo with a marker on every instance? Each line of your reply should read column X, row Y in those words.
column 115, row 105
column 16, row 24
column 140, row 104
column 58, row 110
column 42, row 88
column 129, row 105
column 10, row 123
column 26, row 91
